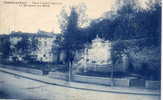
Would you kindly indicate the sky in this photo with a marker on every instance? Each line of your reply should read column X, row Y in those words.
column 15, row 17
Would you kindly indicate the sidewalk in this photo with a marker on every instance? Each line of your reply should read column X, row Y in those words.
column 81, row 86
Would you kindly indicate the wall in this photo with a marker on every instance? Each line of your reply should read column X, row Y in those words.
column 44, row 50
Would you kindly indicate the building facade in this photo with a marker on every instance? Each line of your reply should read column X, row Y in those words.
column 36, row 47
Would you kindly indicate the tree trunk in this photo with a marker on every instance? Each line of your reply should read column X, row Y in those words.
column 112, row 75
column 70, row 71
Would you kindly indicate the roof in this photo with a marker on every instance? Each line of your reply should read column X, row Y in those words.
column 25, row 34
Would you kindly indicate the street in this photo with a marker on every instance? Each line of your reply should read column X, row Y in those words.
column 12, row 86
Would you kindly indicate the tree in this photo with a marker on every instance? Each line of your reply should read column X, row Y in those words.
column 129, row 23
column 118, row 49
column 70, row 42
column 5, row 48
column 23, row 47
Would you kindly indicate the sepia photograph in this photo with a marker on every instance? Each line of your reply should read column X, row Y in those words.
column 80, row 49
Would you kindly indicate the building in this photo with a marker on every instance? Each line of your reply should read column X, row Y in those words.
column 31, row 46
column 97, row 54
column 44, row 51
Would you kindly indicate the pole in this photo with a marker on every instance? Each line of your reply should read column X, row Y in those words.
column 69, row 72
column 70, row 66
column 112, row 75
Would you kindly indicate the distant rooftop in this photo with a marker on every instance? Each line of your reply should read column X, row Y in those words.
column 38, row 34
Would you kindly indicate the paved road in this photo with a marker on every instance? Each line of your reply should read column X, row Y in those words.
column 16, row 87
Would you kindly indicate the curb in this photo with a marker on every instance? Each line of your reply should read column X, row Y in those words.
column 80, row 86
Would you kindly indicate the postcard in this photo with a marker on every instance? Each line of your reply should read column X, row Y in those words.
column 80, row 49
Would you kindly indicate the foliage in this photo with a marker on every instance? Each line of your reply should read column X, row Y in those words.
column 73, row 36
column 5, row 47
column 128, row 24
column 143, row 59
